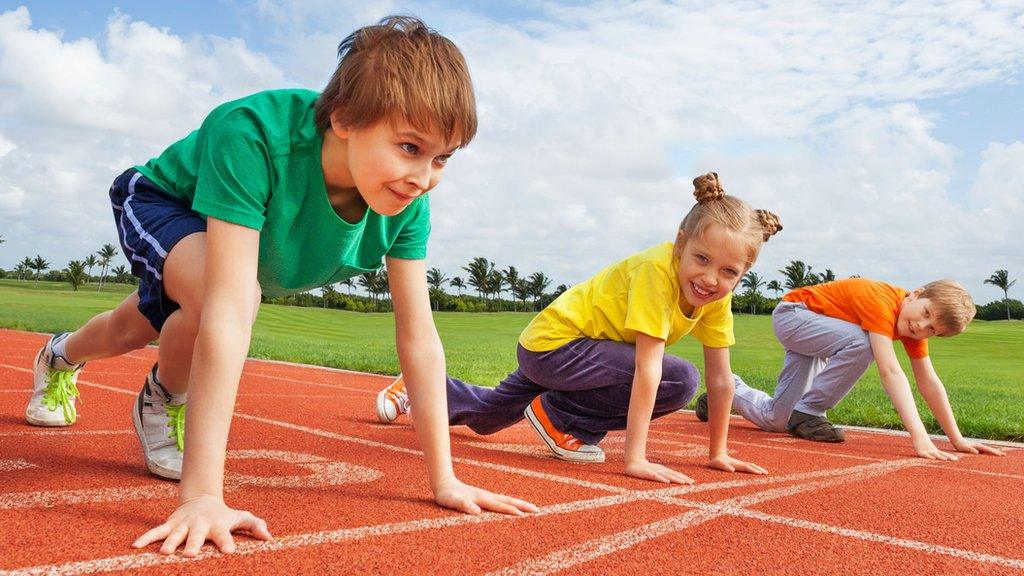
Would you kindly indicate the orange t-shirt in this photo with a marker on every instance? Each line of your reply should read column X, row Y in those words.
column 872, row 305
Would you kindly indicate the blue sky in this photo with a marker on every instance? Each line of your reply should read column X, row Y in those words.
column 888, row 136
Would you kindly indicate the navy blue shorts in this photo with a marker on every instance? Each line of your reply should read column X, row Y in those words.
column 149, row 223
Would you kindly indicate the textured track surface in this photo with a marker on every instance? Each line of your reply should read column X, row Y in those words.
column 343, row 493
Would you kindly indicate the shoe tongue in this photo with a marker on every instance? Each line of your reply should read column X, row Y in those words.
column 59, row 363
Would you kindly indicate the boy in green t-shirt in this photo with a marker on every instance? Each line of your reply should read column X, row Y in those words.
column 276, row 193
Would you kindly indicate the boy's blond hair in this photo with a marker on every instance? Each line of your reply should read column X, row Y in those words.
column 401, row 67
column 952, row 305
column 714, row 206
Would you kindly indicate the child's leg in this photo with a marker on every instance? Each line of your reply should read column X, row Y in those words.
column 771, row 413
column 844, row 344
column 111, row 333
column 488, row 410
column 590, row 382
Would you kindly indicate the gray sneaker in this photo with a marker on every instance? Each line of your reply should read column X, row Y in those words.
column 160, row 426
column 701, row 408
column 814, row 428
column 54, row 389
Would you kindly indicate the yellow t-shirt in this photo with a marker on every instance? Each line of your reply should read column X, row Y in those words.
column 638, row 294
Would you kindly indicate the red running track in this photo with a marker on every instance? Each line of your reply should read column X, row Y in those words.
column 341, row 492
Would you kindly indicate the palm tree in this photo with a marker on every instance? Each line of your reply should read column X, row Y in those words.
column 521, row 291
column 371, row 282
column 2, row 240
column 39, row 264
column 1001, row 280
column 827, row 276
column 89, row 262
column 511, row 277
column 539, row 282
column 106, row 254
column 120, row 274
column 436, row 279
column 458, row 284
column 329, row 293
column 24, row 266
column 752, row 281
column 774, row 286
column 496, row 284
column 76, row 274
column 479, row 269
column 348, row 283
column 797, row 274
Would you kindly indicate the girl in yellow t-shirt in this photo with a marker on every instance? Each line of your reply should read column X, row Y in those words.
column 594, row 360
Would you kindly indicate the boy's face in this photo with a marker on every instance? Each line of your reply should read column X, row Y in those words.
column 711, row 266
column 392, row 163
column 916, row 319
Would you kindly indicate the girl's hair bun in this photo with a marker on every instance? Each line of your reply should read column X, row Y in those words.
column 769, row 223
column 707, row 188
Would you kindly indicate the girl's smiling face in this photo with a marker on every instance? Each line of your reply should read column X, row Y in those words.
column 710, row 266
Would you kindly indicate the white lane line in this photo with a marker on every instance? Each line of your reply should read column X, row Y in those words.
column 44, row 432
column 12, row 465
column 132, row 561
column 882, row 539
column 571, row 556
column 319, row 384
column 775, row 447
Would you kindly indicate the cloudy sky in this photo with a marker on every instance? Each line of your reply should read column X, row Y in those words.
column 889, row 137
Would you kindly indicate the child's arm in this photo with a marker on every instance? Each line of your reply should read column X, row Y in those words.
column 422, row 360
column 229, row 303
column 934, row 393
column 721, row 386
column 650, row 354
column 898, row 388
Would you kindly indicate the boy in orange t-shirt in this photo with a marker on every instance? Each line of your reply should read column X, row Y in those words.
column 832, row 332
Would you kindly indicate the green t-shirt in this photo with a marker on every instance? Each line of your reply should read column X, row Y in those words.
column 256, row 162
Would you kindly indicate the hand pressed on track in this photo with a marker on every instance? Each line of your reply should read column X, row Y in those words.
column 200, row 519
column 456, row 495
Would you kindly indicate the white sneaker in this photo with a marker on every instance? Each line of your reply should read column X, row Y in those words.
column 392, row 401
column 160, row 426
column 53, row 389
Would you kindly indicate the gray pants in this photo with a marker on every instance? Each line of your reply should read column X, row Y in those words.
column 825, row 357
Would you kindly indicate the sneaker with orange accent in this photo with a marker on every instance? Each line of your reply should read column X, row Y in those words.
column 392, row 401
column 565, row 446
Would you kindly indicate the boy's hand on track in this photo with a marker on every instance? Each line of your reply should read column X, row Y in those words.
column 976, row 448
column 200, row 519
column 455, row 495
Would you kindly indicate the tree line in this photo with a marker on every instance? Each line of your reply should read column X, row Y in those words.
column 527, row 292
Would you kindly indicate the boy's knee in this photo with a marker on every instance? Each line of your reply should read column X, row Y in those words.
column 680, row 380
column 131, row 339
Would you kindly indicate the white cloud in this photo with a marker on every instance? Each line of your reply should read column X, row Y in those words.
column 594, row 119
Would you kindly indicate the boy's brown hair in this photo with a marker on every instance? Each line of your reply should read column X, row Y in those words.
column 400, row 66
column 952, row 305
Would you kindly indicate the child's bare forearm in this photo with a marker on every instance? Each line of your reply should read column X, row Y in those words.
column 720, row 393
column 423, row 366
column 897, row 387
column 641, row 407
column 220, row 352
column 938, row 402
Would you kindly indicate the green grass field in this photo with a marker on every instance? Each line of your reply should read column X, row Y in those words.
column 983, row 369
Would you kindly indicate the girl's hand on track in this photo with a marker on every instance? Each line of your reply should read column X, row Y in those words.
column 646, row 470
column 200, row 519
column 729, row 464
column 472, row 500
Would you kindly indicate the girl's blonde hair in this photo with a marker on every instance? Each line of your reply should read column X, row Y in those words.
column 714, row 206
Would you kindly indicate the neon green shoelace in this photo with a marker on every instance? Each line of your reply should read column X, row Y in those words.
column 60, row 389
column 176, row 413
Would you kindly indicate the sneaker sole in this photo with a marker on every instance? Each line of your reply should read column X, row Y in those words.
column 382, row 401
column 60, row 422
column 154, row 468
column 559, row 452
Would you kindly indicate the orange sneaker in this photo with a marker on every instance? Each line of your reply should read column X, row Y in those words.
column 392, row 401
column 565, row 446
